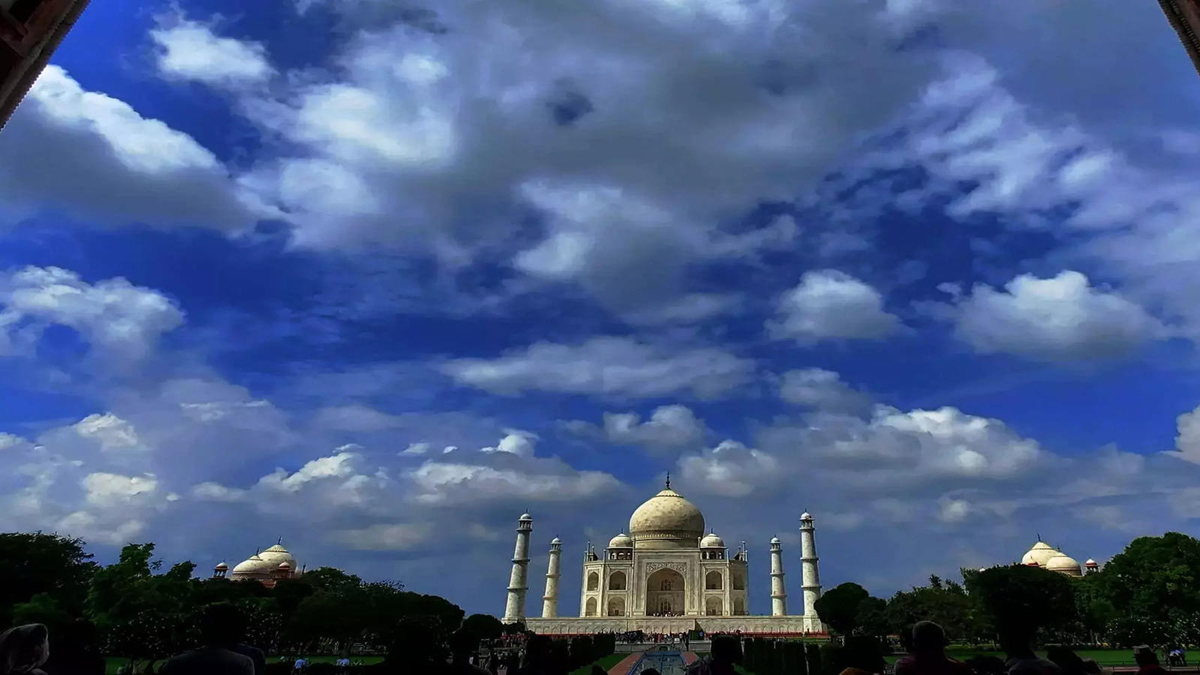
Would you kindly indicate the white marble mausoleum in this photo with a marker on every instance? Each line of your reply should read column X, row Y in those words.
column 666, row 576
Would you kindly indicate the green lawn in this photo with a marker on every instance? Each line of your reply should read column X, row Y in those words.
column 605, row 663
column 1105, row 657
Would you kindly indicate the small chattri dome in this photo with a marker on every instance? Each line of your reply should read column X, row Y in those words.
column 711, row 540
column 622, row 540
column 556, row 540
column 221, row 566
column 1091, row 563
column 284, row 566
column 775, row 540
column 526, row 516
column 806, row 516
column 1064, row 564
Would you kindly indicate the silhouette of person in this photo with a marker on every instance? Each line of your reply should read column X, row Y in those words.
column 221, row 627
column 726, row 651
column 928, row 646
column 1147, row 661
column 23, row 649
column 75, row 651
column 1017, row 643
column 462, row 646
column 537, row 657
column 1067, row 660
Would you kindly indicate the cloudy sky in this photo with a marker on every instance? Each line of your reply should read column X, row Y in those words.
column 376, row 277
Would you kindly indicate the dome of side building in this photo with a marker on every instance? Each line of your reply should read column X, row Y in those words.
column 1039, row 555
column 1064, row 564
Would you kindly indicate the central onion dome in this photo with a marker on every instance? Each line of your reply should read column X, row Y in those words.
column 666, row 520
column 1040, row 554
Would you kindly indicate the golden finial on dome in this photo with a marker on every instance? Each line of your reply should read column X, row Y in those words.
column 668, row 480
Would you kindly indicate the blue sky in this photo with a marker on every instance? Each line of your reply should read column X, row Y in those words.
column 377, row 277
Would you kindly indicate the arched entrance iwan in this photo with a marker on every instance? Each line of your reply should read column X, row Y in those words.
column 665, row 593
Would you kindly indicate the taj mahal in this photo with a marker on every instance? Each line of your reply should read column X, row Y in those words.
column 666, row 576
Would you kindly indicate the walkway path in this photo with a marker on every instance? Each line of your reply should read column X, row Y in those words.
column 630, row 661
column 626, row 664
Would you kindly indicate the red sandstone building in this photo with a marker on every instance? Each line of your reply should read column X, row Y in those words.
column 30, row 31
column 1185, row 18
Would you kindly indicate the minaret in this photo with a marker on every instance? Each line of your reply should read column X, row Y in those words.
column 810, row 578
column 514, row 609
column 550, row 599
column 778, row 589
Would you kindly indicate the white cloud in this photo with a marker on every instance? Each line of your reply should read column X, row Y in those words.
column 10, row 441
column 215, row 411
column 85, row 525
column 189, row 50
column 668, row 427
column 1058, row 319
column 636, row 147
column 384, row 537
column 1187, row 440
column 1127, row 208
column 121, row 321
column 355, row 417
column 731, row 470
column 616, row 367
column 415, row 449
column 113, row 433
column 216, row 492
column 953, row 510
column 93, row 156
column 109, row 489
column 340, row 465
column 832, row 305
column 515, row 442
column 903, row 451
column 823, row 389
column 447, row 483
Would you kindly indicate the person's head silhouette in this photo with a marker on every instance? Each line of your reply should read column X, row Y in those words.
column 1067, row 660
column 462, row 645
column 222, row 625
column 1145, row 656
column 726, row 649
column 928, row 638
column 1017, row 641
column 24, row 648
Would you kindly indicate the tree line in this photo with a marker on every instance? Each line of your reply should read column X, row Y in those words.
column 138, row 609
column 1147, row 594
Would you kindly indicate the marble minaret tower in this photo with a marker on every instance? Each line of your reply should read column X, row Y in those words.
column 778, row 588
column 550, row 599
column 518, row 582
column 810, row 577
